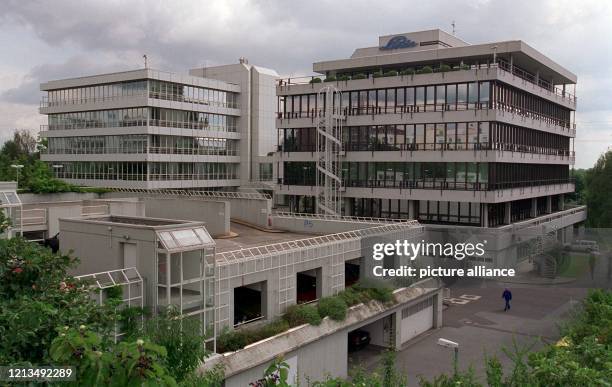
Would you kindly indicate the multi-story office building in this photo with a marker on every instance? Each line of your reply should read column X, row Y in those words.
column 434, row 129
column 151, row 129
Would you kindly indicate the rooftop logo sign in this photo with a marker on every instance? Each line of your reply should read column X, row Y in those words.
column 399, row 42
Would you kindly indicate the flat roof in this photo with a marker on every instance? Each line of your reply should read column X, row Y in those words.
column 135, row 75
column 252, row 237
column 524, row 56
column 136, row 221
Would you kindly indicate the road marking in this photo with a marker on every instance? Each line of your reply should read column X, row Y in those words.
column 470, row 297
column 459, row 301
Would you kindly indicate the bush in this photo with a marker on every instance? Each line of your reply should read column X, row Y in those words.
column 229, row 341
column 315, row 80
column 359, row 76
column 344, row 78
column 302, row 314
column 444, row 68
column 331, row 78
column 391, row 73
column 381, row 294
column 334, row 307
column 425, row 70
column 352, row 297
column 408, row 71
column 377, row 74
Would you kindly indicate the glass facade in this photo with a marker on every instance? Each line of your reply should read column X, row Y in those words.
column 144, row 116
column 142, row 143
column 433, row 175
column 127, row 170
column 152, row 88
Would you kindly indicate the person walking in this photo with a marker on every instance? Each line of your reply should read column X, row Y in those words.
column 507, row 295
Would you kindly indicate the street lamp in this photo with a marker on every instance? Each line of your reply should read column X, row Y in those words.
column 451, row 344
column 17, row 167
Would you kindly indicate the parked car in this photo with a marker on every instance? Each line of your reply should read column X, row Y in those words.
column 358, row 339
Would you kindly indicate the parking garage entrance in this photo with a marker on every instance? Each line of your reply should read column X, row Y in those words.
column 308, row 285
column 249, row 303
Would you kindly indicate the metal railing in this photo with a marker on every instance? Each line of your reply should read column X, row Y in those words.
column 440, row 184
column 143, row 122
column 45, row 103
column 142, row 150
column 32, row 217
column 276, row 248
column 195, row 194
column 501, row 65
column 361, row 219
column 437, row 146
column 547, row 218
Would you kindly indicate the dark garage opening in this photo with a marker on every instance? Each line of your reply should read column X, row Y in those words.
column 249, row 303
column 351, row 272
column 308, row 286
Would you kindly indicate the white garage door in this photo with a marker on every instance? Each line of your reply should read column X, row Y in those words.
column 417, row 319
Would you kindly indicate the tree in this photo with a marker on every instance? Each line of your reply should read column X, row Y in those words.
column 598, row 188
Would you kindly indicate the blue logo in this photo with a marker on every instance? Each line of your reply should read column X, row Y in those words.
column 399, row 42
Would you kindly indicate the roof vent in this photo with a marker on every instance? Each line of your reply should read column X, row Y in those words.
column 243, row 60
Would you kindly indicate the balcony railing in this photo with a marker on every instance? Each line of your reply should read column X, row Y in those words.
column 498, row 146
column 45, row 103
column 142, row 150
column 501, row 65
column 439, row 184
column 143, row 122
column 376, row 110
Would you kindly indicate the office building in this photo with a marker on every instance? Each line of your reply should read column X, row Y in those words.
column 150, row 129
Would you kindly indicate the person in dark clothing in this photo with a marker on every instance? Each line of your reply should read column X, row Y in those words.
column 507, row 295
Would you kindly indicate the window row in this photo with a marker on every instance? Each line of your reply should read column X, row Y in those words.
column 151, row 116
column 153, row 88
column 142, row 144
column 433, row 175
column 461, row 96
column 434, row 136
column 124, row 170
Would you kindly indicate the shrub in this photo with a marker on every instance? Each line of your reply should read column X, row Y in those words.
column 229, row 341
column 315, row 80
column 359, row 76
column 444, row 68
column 302, row 314
column 382, row 294
column 377, row 74
column 408, row 71
column 344, row 78
column 331, row 78
column 391, row 73
column 352, row 297
column 268, row 330
column 425, row 70
column 334, row 307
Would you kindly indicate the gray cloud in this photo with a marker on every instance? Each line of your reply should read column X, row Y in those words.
column 289, row 35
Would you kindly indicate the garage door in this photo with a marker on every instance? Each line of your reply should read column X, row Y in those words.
column 417, row 319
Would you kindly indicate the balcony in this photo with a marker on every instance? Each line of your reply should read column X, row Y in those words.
column 502, row 66
column 141, row 123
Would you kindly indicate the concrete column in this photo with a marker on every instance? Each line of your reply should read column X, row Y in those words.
column 534, row 207
column 438, row 307
column 549, row 204
column 485, row 215
column 561, row 202
column 348, row 209
column 507, row 212
column 411, row 211
column 397, row 324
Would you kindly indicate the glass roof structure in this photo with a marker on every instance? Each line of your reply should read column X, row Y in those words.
column 9, row 199
column 184, row 239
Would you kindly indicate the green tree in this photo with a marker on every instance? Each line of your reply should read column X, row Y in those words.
column 598, row 187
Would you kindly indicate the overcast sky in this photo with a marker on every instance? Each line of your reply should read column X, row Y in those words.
column 45, row 40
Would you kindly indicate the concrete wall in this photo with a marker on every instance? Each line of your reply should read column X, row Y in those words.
column 215, row 214
column 316, row 360
column 56, row 197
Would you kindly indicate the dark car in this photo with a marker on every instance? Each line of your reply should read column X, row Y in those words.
column 358, row 339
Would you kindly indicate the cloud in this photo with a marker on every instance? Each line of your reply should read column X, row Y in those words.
column 86, row 37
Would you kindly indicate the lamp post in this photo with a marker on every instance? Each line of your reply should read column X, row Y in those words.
column 451, row 344
column 17, row 167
